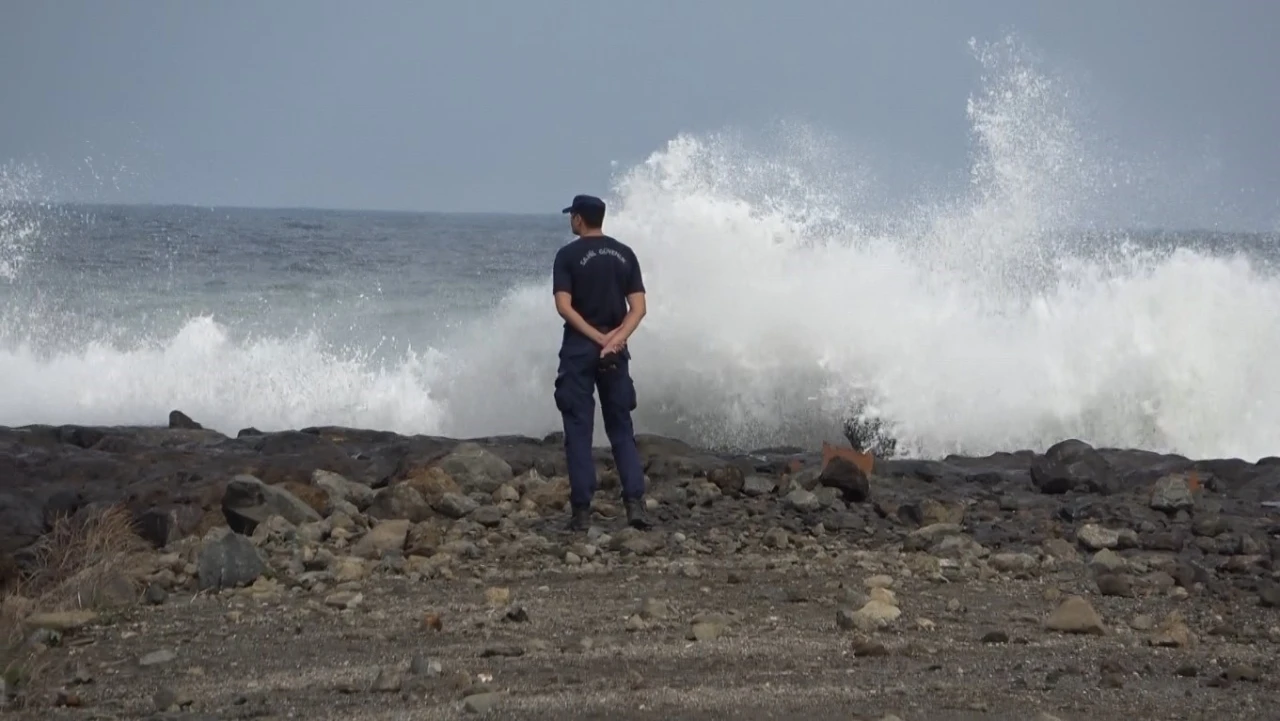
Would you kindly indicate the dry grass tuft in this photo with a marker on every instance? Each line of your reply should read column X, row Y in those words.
column 85, row 562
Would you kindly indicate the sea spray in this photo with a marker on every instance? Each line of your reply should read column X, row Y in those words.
column 784, row 299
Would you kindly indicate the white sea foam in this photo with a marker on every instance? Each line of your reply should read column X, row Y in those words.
column 780, row 303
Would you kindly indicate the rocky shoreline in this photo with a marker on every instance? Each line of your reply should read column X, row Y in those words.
column 1077, row 583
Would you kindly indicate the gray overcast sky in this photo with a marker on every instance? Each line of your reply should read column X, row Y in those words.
column 512, row 105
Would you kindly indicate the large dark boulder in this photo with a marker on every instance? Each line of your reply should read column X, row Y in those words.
column 844, row 476
column 1072, row 465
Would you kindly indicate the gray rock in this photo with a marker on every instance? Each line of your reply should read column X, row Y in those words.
column 758, row 486
column 728, row 479
column 1096, row 538
column 803, row 501
column 248, row 502
column 1172, row 494
column 155, row 595
column 387, row 681
column 428, row 667
column 1013, row 562
column 637, row 542
column 488, row 516
column 400, row 501
column 807, row 478
column 157, row 658
column 703, row 493
column 338, row 487
column 1108, row 561
column 476, row 469
column 386, row 537
column 456, row 505
column 1115, row 584
column 480, row 703
column 228, row 560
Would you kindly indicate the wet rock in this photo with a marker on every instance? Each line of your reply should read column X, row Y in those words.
column 228, row 560
column 180, row 420
column 1076, row 615
column 1072, row 465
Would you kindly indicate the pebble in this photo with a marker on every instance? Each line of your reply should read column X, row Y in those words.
column 155, row 595
column 344, row 600
column 157, row 658
column 995, row 637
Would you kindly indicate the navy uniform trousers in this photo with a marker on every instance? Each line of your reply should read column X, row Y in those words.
column 579, row 375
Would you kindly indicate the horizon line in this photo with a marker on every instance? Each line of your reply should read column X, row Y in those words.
column 532, row 214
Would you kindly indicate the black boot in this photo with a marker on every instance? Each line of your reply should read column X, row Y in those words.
column 580, row 520
column 635, row 514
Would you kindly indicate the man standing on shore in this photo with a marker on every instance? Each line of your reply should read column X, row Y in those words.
column 600, row 294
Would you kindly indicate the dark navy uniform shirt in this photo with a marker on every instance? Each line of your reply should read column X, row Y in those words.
column 599, row 272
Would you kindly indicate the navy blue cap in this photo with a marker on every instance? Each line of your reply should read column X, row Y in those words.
column 584, row 202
